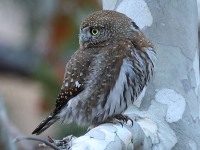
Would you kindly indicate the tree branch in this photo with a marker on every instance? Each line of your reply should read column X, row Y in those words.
column 18, row 139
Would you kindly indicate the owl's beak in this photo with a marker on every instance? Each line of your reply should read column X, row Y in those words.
column 84, row 38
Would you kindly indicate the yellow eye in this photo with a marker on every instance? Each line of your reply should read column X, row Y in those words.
column 94, row 31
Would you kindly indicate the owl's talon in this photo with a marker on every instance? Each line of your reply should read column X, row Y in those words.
column 121, row 122
column 131, row 122
column 65, row 143
column 123, row 118
column 51, row 140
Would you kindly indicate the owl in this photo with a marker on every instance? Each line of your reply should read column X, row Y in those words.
column 113, row 64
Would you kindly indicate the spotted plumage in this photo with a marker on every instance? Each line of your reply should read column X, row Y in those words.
column 106, row 74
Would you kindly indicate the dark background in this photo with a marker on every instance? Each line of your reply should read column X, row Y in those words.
column 37, row 37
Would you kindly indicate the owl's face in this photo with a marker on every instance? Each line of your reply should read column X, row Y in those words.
column 92, row 35
column 104, row 27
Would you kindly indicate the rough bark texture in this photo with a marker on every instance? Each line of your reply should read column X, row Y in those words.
column 174, row 93
column 168, row 115
column 176, row 85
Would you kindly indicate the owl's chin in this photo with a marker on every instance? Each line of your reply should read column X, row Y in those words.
column 82, row 46
column 86, row 45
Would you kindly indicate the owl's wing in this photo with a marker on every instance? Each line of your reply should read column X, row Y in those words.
column 74, row 79
column 131, row 70
column 73, row 84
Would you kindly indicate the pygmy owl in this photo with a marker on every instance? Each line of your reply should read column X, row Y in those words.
column 106, row 74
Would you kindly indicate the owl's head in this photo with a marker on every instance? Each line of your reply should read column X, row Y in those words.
column 104, row 27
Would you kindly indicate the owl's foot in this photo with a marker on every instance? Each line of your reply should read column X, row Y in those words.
column 115, row 119
column 65, row 143
column 119, row 119
column 123, row 119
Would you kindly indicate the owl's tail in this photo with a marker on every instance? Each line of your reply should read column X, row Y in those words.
column 46, row 123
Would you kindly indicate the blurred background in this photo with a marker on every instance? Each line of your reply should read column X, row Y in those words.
column 37, row 37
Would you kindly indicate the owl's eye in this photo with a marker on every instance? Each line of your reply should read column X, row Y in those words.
column 94, row 31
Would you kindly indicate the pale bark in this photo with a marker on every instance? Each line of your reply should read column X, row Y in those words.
column 172, row 100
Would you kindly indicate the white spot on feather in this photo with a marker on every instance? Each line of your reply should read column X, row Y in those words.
column 66, row 84
column 77, row 84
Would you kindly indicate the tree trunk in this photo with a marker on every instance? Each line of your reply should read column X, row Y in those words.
column 168, row 115
column 172, row 100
